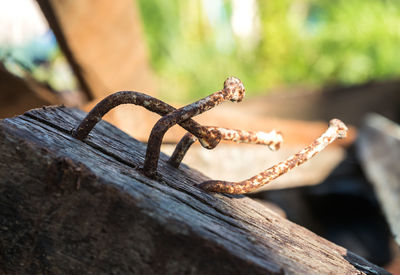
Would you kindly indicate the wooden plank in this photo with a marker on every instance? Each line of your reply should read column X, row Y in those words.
column 103, row 42
column 18, row 95
column 382, row 97
column 378, row 147
column 68, row 206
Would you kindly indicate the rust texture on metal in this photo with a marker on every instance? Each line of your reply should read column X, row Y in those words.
column 181, row 149
column 208, row 139
column 208, row 136
column 272, row 139
column 233, row 90
column 337, row 129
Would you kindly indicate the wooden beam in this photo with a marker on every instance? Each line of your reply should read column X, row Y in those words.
column 378, row 147
column 18, row 95
column 381, row 97
column 68, row 206
column 62, row 40
column 103, row 42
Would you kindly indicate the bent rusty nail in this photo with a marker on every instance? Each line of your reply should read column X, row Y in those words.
column 181, row 149
column 337, row 129
column 233, row 90
column 272, row 139
column 208, row 139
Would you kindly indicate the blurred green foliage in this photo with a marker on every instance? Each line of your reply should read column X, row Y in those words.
column 306, row 42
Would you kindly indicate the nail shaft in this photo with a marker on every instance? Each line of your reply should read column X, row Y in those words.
column 233, row 90
column 337, row 129
column 272, row 139
column 207, row 139
column 181, row 149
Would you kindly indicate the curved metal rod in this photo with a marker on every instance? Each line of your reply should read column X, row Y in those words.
column 207, row 138
column 181, row 149
column 337, row 129
column 233, row 90
column 272, row 139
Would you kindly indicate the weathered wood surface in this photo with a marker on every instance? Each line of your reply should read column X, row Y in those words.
column 378, row 147
column 73, row 207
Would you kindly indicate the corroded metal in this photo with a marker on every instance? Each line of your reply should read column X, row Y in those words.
column 181, row 149
column 337, row 129
column 207, row 138
column 233, row 90
column 272, row 139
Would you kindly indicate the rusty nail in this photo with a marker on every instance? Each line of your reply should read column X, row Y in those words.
column 337, row 129
column 207, row 139
column 272, row 139
column 181, row 148
column 233, row 90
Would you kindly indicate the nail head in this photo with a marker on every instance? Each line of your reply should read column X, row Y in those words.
column 235, row 88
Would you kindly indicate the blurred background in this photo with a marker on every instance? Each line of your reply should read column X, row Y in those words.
column 302, row 62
